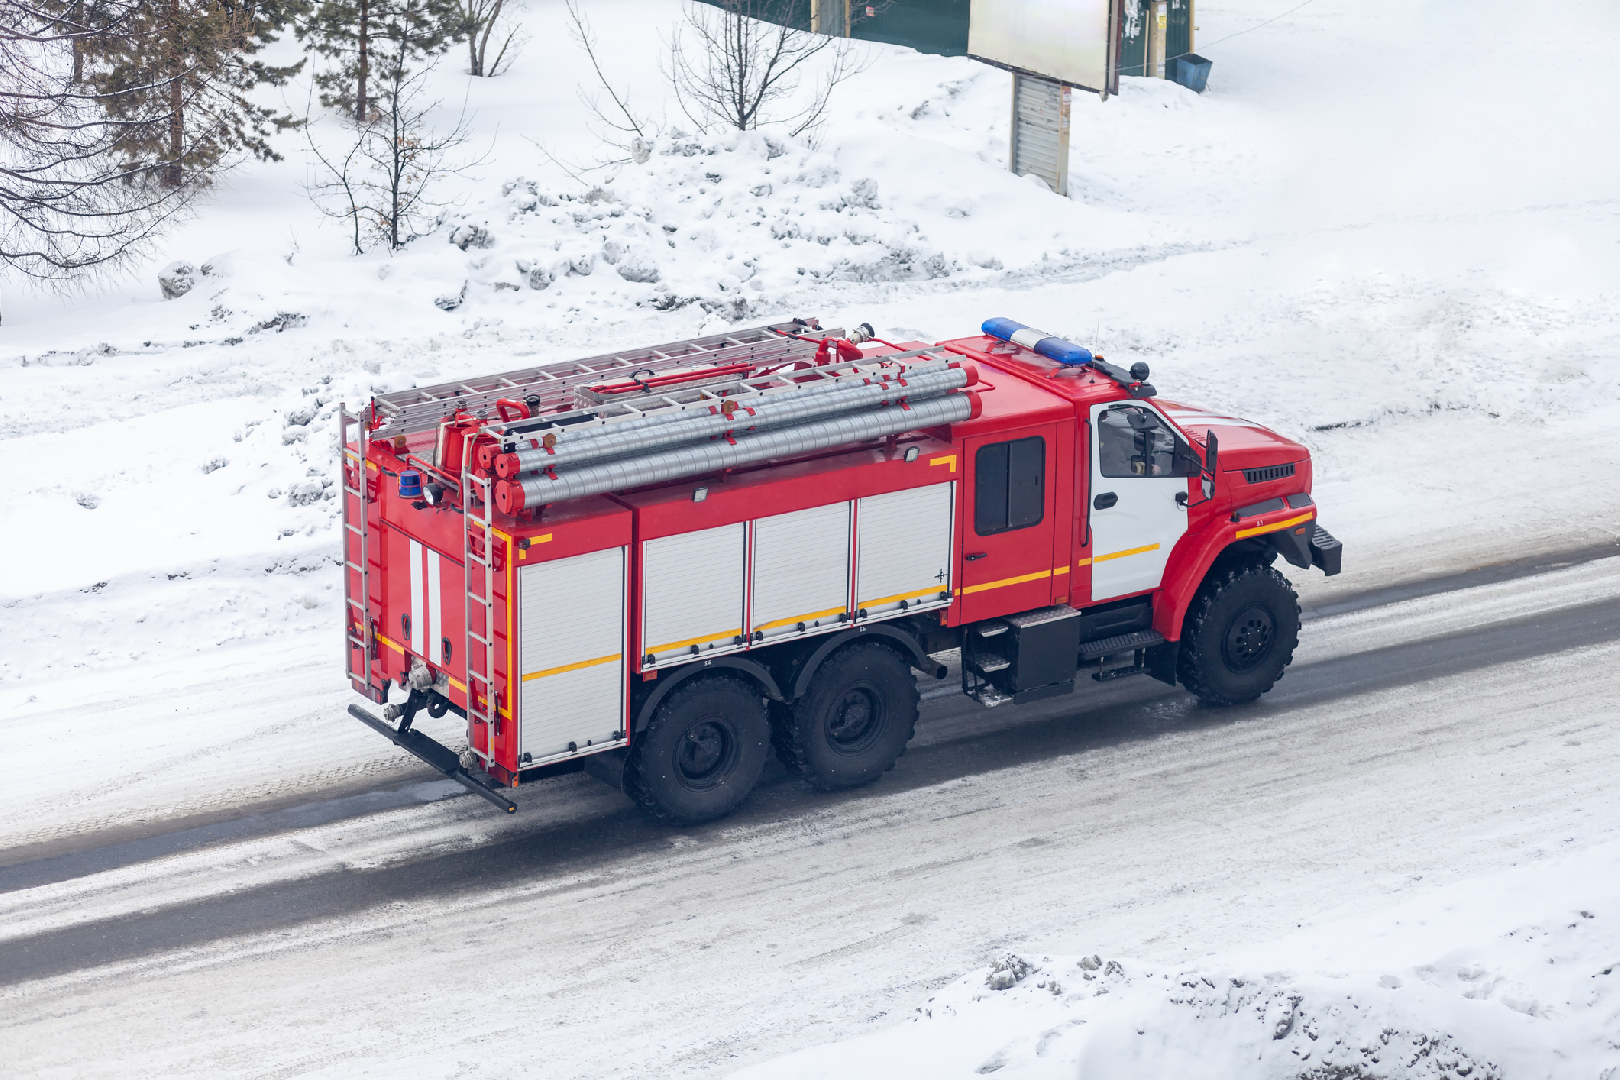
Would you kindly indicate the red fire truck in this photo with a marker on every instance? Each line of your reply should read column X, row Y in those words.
column 658, row 564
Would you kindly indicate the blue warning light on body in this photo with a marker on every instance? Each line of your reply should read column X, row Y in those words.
column 1053, row 348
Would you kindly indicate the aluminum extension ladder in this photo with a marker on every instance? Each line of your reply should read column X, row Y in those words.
column 479, row 492
column 357, row 629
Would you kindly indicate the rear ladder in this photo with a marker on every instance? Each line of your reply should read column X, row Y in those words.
column 356, row 618
column 477, row 498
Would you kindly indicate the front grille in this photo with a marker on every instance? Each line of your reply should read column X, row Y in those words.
column 1270, row 472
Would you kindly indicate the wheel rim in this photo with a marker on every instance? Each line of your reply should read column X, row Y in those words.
column 856, row 720
column 1249, row 638
column 707, row 753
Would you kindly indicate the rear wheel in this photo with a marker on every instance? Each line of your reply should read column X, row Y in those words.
column 854, row 723
column 1239, row 634
column 701, row 753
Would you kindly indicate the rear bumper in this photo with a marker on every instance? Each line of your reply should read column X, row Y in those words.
column 436, row 754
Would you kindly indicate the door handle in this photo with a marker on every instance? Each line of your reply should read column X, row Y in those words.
column 975, row 556
column 1105, row 500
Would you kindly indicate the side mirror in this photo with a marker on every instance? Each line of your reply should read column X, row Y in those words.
column 1212, row 456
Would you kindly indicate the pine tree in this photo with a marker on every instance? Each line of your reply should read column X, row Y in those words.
column 180, row 72
column 377, row 41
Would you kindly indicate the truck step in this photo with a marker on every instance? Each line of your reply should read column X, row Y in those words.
column 1139, row 639
column 990, row 628
column 986, row 664
column 989, row 696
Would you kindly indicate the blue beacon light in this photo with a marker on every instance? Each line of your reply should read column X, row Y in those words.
column 410, row 484
column 1053, row 348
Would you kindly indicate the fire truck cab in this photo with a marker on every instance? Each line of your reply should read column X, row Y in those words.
column 660, row 564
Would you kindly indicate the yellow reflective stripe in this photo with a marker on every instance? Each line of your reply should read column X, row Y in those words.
column 1123, row 554
column 1276, row 526
column 1060, row 570
column 948, row 459
column 457, row 684
column 391, row 643
column 1083, row 562
column 1007, row 581
column 571, row 667
column 790, row 620
column 897, row 597
column 543, row 538
column 696, row 641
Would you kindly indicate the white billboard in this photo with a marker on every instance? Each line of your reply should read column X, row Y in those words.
column 1065, row 40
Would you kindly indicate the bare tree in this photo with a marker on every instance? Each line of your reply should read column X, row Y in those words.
column 621, row 126
column 486, row 24
column 75, row 197
column 740, row 63
column 380, row 185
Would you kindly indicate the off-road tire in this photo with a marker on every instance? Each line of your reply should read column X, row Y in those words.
column 854, row 723
column 1239, row 634
column 701, row 753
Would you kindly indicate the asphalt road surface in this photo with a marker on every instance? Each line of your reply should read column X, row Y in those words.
column 404, row 930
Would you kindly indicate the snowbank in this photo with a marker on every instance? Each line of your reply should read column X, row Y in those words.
column 1511, row 976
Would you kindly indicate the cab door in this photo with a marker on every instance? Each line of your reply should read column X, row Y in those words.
column 1140, row 485
column 1008, row 522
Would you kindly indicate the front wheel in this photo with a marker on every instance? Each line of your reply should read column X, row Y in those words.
column 701, row 753
column 1239, row 634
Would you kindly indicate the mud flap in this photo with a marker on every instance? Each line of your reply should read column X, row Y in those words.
column 436, row 754
column 1293, row 545
column 1160, row 661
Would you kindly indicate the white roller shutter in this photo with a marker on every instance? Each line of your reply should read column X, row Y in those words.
column 801, row 569
column 1040, row 131
column 572, row 652
column 693, row 585
column 903, row 549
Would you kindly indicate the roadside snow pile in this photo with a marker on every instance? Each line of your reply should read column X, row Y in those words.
column 738, row 223
column 1493, row 995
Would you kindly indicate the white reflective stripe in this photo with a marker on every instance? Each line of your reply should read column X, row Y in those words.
column 435, row 609
column 416, row 598
column 1027, row 337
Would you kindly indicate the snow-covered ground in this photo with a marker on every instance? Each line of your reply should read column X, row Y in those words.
column 1390, row 230
column 1508, row 975
column 1443, row 833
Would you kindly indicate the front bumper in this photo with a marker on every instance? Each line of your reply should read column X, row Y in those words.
column 1325, row 550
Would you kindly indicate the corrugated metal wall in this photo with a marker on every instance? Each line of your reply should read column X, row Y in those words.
column 1135, row 28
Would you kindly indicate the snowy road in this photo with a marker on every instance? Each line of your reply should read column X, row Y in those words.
column 1430, row 740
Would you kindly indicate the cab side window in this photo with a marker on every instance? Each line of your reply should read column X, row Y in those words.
column 1009, row 485
column 1135, row 441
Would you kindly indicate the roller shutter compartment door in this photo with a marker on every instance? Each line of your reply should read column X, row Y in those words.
column 572, row 652
column 801, row 570
column 903, row 549
column 692, row 594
